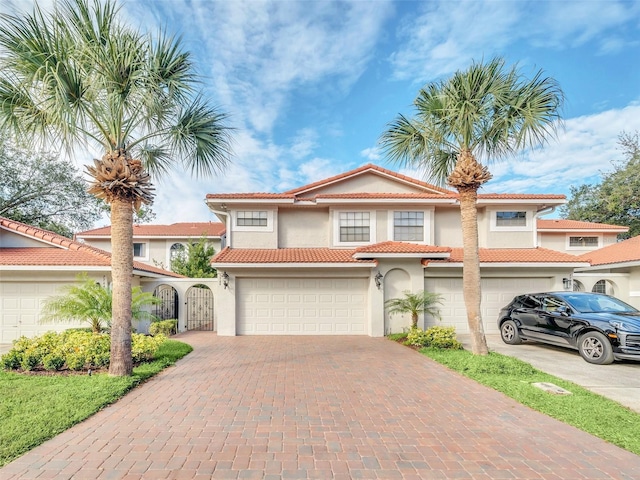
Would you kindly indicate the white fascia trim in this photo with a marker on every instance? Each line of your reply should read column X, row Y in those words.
column 401, row 255
column 237, row 201
column 518, row 201
column 634, row 294
column 55, row 268
column 218, row 266
column 610, row 265
column 511, row 265
column 581, row 230
column 383, row 201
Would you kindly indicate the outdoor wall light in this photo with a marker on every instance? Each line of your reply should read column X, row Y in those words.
column 378, row 279
column 567, row 283
column 225, row 280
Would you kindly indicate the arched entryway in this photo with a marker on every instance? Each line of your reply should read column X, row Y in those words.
column 396, row 282
column 604, row 286
column 200, row 308
column 168, row 309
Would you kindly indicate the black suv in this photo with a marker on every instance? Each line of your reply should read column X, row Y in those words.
column 602, row 328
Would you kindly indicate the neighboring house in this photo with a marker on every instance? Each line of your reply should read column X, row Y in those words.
column 324, row 257
column 575, row 237
column 35, row 263
column 156, row 244
column 614, row 270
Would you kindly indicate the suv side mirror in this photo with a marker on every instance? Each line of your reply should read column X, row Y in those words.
column 563, row 310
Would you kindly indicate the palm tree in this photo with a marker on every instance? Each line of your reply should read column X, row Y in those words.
column 88, row 301
column 414, row 304
column 80, row 78
column 485, row 112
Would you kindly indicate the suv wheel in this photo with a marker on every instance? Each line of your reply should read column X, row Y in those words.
column 594, row 347
column 509, row 333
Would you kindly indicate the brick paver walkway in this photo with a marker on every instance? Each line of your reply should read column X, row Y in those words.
column 318, row 407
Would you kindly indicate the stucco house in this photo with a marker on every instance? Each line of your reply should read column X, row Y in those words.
column 323, row 258
column 35, row 264
column 155, row 244
column 576, row 238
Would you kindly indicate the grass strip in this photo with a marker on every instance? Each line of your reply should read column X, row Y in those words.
column 583, row 409
column 36, row 408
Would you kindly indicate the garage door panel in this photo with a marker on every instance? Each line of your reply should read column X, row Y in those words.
column 496, row 293
column 307, row 307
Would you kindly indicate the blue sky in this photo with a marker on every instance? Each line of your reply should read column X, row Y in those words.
column 311, row 85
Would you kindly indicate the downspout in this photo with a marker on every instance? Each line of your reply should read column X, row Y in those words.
column 539, row 213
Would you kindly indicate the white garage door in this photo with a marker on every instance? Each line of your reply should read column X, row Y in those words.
column 20, row 310
column 302, row 306
column 496, row 293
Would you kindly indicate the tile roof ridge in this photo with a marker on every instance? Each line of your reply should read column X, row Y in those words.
column 364, row 168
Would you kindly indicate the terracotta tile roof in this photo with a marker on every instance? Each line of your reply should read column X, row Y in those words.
column 183, row 229
column 520, row 196
column 408, row 196
column 512, row 255
column 285, row 255
column 62, row 252
column 401, row 247
column 369, row 167
column 621, row 252
column 560, row 224
column 250, row 196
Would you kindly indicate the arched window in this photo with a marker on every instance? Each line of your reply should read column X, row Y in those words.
column 177, row 249
column 603, row 286
column 578, row 286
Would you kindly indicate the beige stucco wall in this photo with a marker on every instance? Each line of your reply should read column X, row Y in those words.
column 368, row 183
column 13, row 240
column 447, row 227
column 303, row 228
column 558, row 241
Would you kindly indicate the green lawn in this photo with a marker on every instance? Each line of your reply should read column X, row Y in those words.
column 34, row 409
column 583, row 409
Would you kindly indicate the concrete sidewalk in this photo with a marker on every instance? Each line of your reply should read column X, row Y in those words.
column 619, row 381
column 325, row 407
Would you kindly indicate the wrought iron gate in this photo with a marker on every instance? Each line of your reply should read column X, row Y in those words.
column 200, row 308
column 168, row 309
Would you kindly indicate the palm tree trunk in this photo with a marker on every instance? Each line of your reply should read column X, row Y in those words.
column 471, row 280
column 121, row 273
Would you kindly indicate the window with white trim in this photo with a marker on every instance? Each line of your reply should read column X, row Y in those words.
column 139, row 250
column 355, row 227
column 511, row 219
column 583, row 242
column 408, row 226
column 252, row 219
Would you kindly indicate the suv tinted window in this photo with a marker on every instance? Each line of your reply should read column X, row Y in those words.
column 527, row 301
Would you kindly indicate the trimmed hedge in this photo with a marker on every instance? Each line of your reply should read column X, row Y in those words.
column 436, row 337
column 164, row 327
column 73, row 350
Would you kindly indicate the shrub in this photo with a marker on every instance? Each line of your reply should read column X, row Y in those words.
column 164, row 327
column 144, row 347
column 75, row 349
column 53, row 361
column 436, row 337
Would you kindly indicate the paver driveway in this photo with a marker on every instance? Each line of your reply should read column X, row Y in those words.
column 318, row 407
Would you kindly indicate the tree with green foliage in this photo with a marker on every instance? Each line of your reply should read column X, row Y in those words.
column 415, row 304
column 616, row 200
column 485, row 112
column 80, row 78
column 194, row 260
column 88, row 301
column 43, row 190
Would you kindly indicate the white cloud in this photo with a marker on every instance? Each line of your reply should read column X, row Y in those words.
column 584, row 150
column 447, row 35
column 373, row 153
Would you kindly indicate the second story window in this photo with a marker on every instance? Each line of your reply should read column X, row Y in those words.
column 139, row 250
column 583, row 242
column 511, row 219
column 355, row 226
column 251, row 219
column 408, row 226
